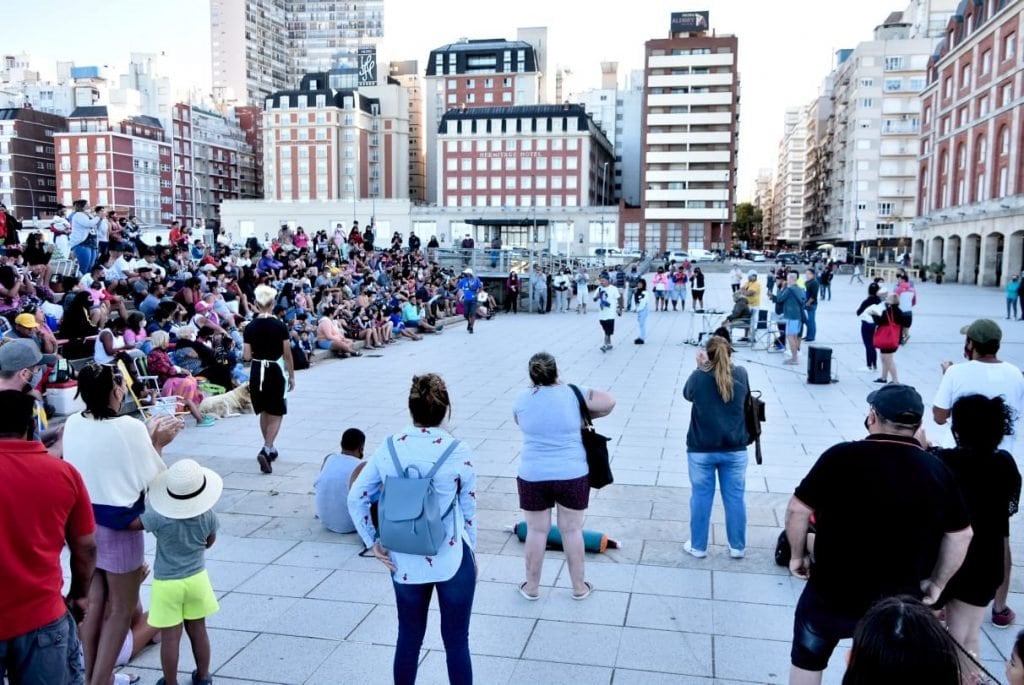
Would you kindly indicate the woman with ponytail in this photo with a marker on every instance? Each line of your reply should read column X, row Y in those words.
column 716, row 443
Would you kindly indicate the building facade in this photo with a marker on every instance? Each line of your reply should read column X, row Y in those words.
column 540, row 156
column 260, row 47
column 28, row 177
column 789, row 180
column 971, row 168
column 689, row 140
column 326, row 144
column 476, row 73
column 407, row 75
column 123, row 165
column 210, row 157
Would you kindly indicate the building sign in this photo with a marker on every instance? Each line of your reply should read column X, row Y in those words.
column 689, row 22
column 489, row 155
column 367, row 66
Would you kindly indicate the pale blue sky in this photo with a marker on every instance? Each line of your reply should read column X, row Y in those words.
column 785, row 48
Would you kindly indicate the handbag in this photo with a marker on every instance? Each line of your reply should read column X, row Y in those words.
column 887, row 336
column 595, row 445
column 754, row 415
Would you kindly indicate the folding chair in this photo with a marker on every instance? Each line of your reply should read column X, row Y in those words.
column 161, row 406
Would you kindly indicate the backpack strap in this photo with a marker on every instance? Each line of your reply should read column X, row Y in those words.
column 443, row 458
column 433, row 470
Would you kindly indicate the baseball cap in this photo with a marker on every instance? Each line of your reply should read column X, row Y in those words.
column 983, row 331
column 897, row 402
column 604, row 275
column 467, row 270
column 26, row 320
column 751, row 274
column 23, row 354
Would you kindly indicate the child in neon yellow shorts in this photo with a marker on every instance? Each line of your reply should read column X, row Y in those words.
column 180, row 514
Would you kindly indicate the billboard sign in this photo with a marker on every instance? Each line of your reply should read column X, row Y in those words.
column 689, row 22
column 367, row 66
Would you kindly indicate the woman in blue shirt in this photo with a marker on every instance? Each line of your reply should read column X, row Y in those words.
column 1012, row 293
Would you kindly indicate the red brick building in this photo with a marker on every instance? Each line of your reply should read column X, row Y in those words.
column 971, row 170
column 28, row 183
column 541, row 155
column 123, row 165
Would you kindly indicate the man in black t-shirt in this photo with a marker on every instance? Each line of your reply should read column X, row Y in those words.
column 889, row 520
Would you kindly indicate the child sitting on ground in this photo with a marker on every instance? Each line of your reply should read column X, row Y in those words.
column 180, row 514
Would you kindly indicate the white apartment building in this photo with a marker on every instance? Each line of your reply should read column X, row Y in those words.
column 689, row 132
column 789, row 180
column 617, row 111
column 408, row 76
column 872, row 133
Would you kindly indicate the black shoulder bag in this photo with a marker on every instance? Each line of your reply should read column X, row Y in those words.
column 753, row 412
column 595, row 445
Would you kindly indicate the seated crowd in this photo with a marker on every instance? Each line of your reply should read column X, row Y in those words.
column 173, row 313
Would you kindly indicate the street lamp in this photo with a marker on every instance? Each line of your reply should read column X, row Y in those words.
column 604, row 195
column 31, row 192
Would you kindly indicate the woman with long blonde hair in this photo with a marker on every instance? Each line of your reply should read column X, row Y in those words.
column 716, row 444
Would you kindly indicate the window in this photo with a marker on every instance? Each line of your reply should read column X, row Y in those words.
column 83, row 145
column 1009, row 46
column 893, row 63
column 466, row 164
column 986, row 63
column 65, row 145
column 965, row 76
column 495, row 163
column 893, row 85
column 884, row 228
column 867, row 103
column 1006, row 95
column 83, row 180
column 451, row 99
column 947, row 87
column 1004, row 141
column 481, row 164
column 884, row 209
column 867, row 82
column 506, row 97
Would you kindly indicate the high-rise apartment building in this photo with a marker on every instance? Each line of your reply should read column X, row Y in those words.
column 788, row 195
column 970, row 168
column 210, row 158
column 690, row 129
column 27, row 174
column 763, row 189
column 406, row 73
column 326, row 143
column 260, row 47
column 871, row 138
column 816, row 163
column 477, row 73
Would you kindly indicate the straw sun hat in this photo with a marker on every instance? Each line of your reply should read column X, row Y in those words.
column 184, row 490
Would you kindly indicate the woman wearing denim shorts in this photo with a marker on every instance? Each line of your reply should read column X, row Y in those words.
column 553, row 470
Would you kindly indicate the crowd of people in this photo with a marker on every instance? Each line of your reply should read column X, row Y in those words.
column 203, row 319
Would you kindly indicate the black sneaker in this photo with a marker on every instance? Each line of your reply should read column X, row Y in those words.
column 272, row 455
column 264, row 461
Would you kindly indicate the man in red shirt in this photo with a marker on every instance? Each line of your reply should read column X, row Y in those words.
column 43, row 504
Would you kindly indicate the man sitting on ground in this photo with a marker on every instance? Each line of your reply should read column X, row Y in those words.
column 336, row 473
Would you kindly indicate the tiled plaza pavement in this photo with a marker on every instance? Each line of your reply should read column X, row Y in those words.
column 299, row 606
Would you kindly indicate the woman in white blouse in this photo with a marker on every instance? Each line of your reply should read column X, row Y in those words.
column 452, row 571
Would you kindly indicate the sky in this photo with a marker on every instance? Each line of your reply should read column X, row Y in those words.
column 785, row 48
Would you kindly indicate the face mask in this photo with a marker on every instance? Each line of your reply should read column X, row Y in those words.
column 867, row 426
column 37, row 376
column 967, row 351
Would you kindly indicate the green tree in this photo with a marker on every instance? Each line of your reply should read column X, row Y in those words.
column 747, row 225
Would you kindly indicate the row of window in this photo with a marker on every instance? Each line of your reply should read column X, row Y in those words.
column 512, row 201
column 506, row 82
column 513, row 144
column 1008, row 52
column 510, row 182
column 487, row 98
column 982, row 106
column 511, row 164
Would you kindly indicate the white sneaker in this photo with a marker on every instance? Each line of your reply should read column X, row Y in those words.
column 736, row 553
column 698, row 553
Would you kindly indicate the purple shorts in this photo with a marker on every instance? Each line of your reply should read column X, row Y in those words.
column 541, row 495
column 119, row 551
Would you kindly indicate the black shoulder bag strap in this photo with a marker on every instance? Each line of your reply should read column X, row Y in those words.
column 588, row 422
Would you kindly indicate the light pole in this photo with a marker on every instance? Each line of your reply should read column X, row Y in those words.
column 604, row 195
column 32, row 194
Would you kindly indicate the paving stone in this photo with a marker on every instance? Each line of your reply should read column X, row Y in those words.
column 665, row 651
column 587, row 644
column 279, row 658
column 287, row 581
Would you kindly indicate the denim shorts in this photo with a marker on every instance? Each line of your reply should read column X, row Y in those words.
column 793, row 326
column 51, row 654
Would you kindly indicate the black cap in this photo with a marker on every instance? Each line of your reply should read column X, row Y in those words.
column 897, row 402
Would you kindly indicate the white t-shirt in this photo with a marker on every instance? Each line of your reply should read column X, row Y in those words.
column 607, row 301
column 991, row 380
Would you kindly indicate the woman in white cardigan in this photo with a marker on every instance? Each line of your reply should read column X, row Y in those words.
column 117, row 457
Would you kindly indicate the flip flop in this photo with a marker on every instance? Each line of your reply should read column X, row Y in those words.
column 528, row 597
column 580, row 598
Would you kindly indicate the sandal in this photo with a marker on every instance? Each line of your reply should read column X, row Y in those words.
column 127, row 678
column 357, row 354
column 527, row 596
column 580, row 598
column 205, row 681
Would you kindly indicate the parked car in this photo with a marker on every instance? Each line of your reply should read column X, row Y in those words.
column 677, row 256
column 756, row 256
column 788, row 258
column 699, row 255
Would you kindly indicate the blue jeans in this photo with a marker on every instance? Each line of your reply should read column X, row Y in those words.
column 867, row 336
column 455, row 599
column 51, row 655
column 812, row 326
column 641, row 320
column 732, row 473
column 86, row 257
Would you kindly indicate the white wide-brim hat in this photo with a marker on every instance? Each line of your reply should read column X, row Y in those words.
column 184, row 490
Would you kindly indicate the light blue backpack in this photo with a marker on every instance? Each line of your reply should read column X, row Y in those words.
column 409, row 514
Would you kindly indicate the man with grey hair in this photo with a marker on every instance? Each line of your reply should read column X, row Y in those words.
column 856, row 491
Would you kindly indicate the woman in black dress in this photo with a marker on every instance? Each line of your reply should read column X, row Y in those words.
column 268, row 350
column 990, row 484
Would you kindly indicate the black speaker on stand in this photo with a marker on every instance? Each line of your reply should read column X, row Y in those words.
column 819, row 365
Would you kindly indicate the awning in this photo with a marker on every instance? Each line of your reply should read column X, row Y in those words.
column 507, row 222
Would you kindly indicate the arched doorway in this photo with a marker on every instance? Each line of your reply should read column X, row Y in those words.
column 991, row 268
column 917, row 255
column 935, row 252
column 952, row 258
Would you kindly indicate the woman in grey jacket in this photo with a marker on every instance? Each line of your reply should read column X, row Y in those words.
column 716, row 443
